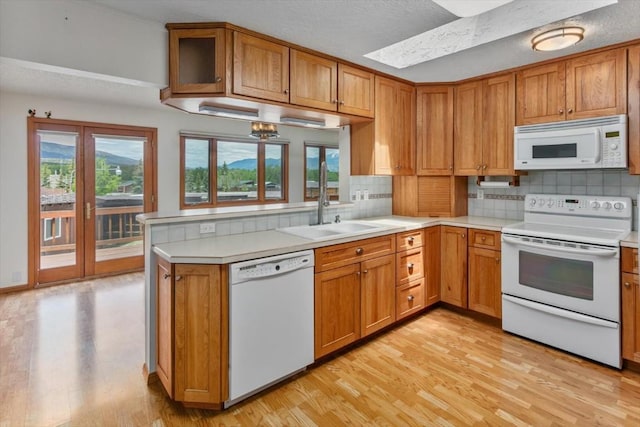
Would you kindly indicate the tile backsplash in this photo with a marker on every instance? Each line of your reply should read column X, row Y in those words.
column 508, row 203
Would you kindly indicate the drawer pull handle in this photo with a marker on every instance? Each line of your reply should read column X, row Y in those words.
column 166, row 276
column 483, row 238
column 410, row 239
column 410, row 266
column 359, row 251
column 410, row 298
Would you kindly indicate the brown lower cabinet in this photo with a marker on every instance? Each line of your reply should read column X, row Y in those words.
column 485, row 272
column 352, row 302
column 453, row 276
column 192, row 336
column 630, row 296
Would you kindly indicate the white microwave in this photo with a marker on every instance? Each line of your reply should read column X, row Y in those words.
column 599, row 143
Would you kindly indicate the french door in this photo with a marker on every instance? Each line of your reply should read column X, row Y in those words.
column 87, row 183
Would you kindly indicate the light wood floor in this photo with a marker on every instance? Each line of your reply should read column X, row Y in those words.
column 73, row 354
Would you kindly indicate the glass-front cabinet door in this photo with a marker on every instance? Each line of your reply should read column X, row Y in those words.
column 197, row 60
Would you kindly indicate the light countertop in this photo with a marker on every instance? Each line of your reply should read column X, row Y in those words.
column 631, row 241
column 242, row 247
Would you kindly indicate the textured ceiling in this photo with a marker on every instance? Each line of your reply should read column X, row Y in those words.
column 347, row 29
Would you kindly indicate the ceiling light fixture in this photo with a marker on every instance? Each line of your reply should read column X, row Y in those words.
column 557, row 39
column 234, row 113
column 263, row 130
column 312, row 123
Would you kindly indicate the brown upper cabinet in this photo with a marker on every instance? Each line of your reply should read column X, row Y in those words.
column 325, row 84
column 634, row 109
column 483, row 131
column 585, row 86
column 260, row 68
column 197, row 60
column 387, row 145
column 434, row 130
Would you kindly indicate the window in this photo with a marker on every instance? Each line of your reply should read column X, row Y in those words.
column 52, row 228
column 314, row 155
column 241, row 172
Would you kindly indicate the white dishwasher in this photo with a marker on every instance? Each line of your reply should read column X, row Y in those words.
column 270, row 321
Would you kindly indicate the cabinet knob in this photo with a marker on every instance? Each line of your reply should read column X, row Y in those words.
column 410, row 298
column 359, row 251
column 478, row 167
column 166, row 276
column 178, row 278
column 462, row 235
column 286, row 91
column 484, row 166
column 365, row 271
column 341, row 102
column 410, row 265
column 410, row 239
column 560, row 111
column 218, row 79
column 450, row 167
column 483, row 238
column 627, row 284
column 358, row 273
column 334, row 101
column 570, row 110
column 497, row 260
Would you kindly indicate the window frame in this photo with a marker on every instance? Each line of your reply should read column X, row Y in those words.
column 213, row 172
column 323, row 148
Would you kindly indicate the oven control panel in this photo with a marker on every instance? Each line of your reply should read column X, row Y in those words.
column 597, row 206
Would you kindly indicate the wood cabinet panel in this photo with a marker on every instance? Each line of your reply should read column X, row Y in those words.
column 629, row 260
column 197, row 60
column 260, row 68
column 339, row 255
column 410, row 298
column 337, row 309
column 596, row 85
column 409, row 240
column 633, row 109
column 409, row 265
column 485, row 293
column 356, row 89
column 200, row 334
column 541, row 94
column 434, row 130
column 432, row 265
column 429, row 195
column 499, row 119
column 468, row 129
column 630, row 295
column 453, row 277
column 165, row 324
column 377, row 294
column 314, row 81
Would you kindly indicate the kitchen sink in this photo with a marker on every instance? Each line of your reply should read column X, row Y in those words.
column 329, row 231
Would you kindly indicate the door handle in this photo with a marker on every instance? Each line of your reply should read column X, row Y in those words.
column 88, row 211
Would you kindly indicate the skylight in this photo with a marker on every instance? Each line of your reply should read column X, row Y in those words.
column 466, row 8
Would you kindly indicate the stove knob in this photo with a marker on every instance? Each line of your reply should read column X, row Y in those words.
column 541, row 202
column 550, row 202
column 618, row 206
column 595, row 205
column 532, row 202
column 606, row 205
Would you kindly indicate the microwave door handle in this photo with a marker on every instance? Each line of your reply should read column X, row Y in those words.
column 598, row 133
column 594, row 252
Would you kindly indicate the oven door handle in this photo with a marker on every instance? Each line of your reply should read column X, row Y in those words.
column 594, row 252
column 561, row 313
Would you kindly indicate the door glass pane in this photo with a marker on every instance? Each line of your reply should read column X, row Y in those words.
column 273, row 172
column 563, row 276
column 312, row 168
column 332, row 157
column 237, row 171
column 119, row 191
column 57, row 199
column 196, row 171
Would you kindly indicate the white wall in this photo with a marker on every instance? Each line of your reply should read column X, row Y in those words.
column 84, row 36
column 13, row 159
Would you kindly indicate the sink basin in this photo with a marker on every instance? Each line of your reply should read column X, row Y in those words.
column 329, row 231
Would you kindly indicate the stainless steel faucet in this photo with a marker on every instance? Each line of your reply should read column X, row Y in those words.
column 323, row 198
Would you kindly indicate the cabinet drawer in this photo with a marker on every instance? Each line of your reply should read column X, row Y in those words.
column 484, row 239
column 409, row 240
column 348, row 253
column 409, row 299
column 409, row 266
column 630, row 260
